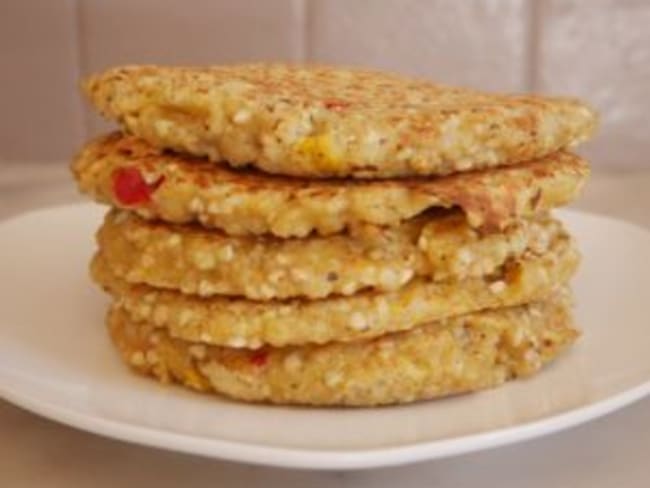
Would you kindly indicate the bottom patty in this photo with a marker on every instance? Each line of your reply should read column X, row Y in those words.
column 456, row 355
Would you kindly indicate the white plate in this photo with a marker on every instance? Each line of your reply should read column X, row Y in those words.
column 56, row 360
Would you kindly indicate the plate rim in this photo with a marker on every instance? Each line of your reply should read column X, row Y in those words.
column 304, row 458
column 313, row 459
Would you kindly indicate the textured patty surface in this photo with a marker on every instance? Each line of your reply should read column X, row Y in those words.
column 245, row 323
column 320, row 121
column 457, row 355
column 208, row 262
column 126, row 172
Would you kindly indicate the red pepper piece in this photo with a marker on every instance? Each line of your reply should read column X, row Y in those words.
column 259, row 358
column 130, row 187
column 336, row 104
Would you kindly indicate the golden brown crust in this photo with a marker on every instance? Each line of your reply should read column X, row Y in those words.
column 185, row 190
column 245, row 323
column 457, row 355
column 319, row 121
column 208, row 262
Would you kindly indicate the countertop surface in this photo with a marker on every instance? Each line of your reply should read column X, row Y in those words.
column 613, row 451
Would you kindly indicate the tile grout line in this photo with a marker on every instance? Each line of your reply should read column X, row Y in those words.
column 533, row 21
column 300, row 38
column 80, row 65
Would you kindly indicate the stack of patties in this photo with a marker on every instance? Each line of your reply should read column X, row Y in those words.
column 324, row 236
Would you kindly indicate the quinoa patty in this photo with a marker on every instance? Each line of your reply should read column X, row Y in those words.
column 250, row 324
column 321, row 121
column 128, row 173
column 456, row 355
column 208, row 262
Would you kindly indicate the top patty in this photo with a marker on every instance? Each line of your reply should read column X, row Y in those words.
column 319, row 121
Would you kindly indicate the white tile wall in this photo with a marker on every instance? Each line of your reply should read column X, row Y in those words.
column 480, row 43
column 600, row 50
column 596, row 49
column 40, row 112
